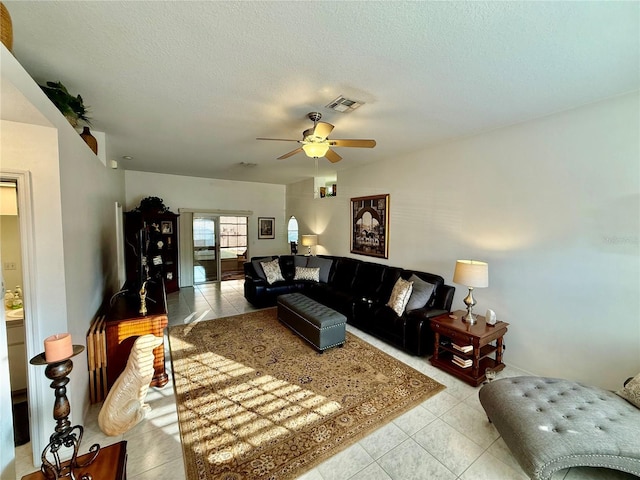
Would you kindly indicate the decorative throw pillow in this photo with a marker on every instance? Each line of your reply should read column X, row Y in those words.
column 400, row 296
column 324, row 264
column 300, row 260
column 631, row 391
column 420, row 294
column 272, row 271
column 306, row 273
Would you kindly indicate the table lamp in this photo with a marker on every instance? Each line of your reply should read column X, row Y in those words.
column 472, row 274
column 309, row 241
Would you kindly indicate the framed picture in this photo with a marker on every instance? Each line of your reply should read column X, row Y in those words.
column 266, row 227
column 370, row 226
column 166, row 228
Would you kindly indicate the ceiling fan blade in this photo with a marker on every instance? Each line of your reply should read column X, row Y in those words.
column 353, row 143
column 290, row 154
column 332, row 156
column 278, row 139
column 322, row 130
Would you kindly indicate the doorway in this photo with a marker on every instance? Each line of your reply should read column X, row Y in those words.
column 219, row 247
column 11, row 254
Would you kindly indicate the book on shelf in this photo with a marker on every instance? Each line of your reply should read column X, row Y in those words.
column 462, row 362
column 463, row 348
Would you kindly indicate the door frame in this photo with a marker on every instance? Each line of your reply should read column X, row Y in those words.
column 216, row 238
column 35, row 393
column 185, row 238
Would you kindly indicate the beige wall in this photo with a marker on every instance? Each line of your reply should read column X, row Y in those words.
column 73, row 200
column 10, row 250
column 177, row 191
column 553, row 205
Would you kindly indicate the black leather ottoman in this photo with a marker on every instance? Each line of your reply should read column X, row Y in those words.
column 318, row 324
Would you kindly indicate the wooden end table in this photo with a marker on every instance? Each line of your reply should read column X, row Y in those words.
column 479, row 336
column 111, row 464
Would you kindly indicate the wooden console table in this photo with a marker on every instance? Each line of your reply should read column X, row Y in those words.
column 111, row 464
column 479, row 336
column 124, row 324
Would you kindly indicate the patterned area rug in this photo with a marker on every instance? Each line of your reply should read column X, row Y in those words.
column 257, row 402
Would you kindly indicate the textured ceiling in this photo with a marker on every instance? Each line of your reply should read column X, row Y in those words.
column 186, row 87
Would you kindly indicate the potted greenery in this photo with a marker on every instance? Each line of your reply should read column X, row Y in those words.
column 152, row 205
column 71, row 107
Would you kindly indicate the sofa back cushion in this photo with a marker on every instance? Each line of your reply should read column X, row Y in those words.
column 300, row 260
column 368, row 279
column 324, row 264
column 287, row 266
column 344, row 274
column 389, row 278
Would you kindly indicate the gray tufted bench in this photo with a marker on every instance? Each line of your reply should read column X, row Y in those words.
column 551, row 424
column 318, row 324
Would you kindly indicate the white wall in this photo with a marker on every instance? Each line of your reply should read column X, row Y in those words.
column 553, row 205
column 10, row 249
column 263, row 199
column 74, row 251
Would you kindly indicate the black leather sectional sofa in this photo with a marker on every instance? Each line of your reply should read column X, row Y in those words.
column 360, row 290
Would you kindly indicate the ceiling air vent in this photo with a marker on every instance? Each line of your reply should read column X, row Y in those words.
column 344, row 105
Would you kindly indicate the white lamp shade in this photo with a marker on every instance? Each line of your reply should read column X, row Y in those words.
column 471, row 273
column 309, row 240
column 315, row 150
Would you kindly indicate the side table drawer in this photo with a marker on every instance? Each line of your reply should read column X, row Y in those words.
column 460, row 338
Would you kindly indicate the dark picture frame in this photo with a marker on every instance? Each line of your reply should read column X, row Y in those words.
column 166, row 228
column 266, row 228
column 370, row 225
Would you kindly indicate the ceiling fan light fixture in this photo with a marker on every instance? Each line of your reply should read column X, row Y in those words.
column 315, row 150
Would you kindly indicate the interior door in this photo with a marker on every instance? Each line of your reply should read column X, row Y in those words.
column 206, row 250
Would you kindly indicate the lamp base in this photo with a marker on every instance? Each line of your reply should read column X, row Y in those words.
column 469, row 301
column 469, row 318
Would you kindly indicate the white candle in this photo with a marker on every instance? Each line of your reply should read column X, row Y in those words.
column 58, row 347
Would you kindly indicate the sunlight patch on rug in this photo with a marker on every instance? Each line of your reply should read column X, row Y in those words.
column 257, row 402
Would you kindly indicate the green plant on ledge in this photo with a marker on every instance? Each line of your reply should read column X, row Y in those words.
column 152, row 205
column 71, row 107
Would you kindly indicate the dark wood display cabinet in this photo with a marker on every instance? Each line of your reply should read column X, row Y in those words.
column 151, row 245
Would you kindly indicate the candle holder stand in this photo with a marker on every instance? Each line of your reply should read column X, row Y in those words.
column 65, row 435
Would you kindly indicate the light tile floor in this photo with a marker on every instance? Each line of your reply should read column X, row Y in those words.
column 445, row 438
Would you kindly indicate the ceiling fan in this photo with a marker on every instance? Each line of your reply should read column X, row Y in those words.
column 315, row 141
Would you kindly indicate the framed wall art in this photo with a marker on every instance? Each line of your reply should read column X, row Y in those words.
column 266, row 227
column 166, row 228
column 370, row 226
